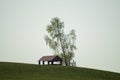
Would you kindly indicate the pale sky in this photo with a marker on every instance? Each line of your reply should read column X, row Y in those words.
column 97, row 24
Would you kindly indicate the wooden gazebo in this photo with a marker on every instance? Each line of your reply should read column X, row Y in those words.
column 51, row 60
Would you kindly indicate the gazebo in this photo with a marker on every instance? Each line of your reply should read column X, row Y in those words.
column 51, row 60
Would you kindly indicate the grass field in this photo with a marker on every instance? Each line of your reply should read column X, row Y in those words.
column 17, row 71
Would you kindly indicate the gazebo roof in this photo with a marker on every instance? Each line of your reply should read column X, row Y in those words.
column 50, row 58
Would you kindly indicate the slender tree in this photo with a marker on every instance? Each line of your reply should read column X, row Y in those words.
column 63, row 44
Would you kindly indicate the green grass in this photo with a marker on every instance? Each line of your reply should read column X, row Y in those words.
column 17, row 71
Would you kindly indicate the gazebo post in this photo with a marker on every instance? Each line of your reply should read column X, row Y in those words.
column 60, row 62
column 48, row 62
column 39, row 62
column 51, row 62
column 43, row 62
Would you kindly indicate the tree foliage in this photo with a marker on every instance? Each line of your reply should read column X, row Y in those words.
column 63, row 44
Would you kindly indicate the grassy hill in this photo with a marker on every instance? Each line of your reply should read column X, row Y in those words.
column 17, row 71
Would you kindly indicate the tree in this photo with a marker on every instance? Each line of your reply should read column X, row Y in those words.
column 63, row 44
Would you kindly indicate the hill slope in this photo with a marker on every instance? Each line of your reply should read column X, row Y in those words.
column 17, row 71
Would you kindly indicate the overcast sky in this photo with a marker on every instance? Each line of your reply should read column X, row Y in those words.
column 97, row 24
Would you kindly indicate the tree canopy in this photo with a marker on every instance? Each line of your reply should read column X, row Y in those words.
column 63, row 44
